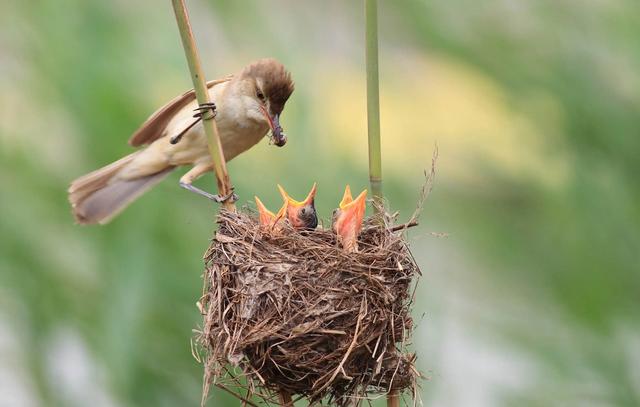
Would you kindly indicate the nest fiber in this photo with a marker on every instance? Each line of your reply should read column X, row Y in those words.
column 291, row 312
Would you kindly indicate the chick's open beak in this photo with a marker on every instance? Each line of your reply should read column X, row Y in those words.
column 279, row 138
column 347, row 221
column 268, row 218
column 301, row 214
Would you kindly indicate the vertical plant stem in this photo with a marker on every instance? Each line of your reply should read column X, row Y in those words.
column 373, row 125
column 202, row 95
column 393, row 399
column 373, row 99
column 285, row 399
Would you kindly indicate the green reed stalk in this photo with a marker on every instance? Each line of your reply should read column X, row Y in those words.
column 373, row 123
column 199, row 84
column 373, row 99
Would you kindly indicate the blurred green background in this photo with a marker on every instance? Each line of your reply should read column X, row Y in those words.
column 533, row 298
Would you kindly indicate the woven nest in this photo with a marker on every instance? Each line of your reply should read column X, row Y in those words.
column 293, row 312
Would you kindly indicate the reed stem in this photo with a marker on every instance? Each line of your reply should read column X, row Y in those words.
column 373, row 125
column 373, row 100
column 202, row 95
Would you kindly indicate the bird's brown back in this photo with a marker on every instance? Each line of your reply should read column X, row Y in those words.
column 154, row 127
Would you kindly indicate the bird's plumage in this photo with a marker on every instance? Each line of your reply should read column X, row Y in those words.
column 274, row 81
column 248, row 104
column 156, row 125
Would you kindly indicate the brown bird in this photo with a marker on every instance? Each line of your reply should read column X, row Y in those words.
column 347, row 219
column 247, row 105
column 301, row 214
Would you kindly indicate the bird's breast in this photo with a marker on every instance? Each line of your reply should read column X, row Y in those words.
column 238, row 133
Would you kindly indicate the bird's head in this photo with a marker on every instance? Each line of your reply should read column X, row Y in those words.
column 265, row 86
column 347, row 219
column 301, row 214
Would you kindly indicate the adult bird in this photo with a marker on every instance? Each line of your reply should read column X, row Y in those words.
column 246, row 105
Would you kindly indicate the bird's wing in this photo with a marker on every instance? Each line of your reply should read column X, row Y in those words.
column 154, row 127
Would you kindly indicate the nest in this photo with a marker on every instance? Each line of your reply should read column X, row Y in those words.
column 291, row 312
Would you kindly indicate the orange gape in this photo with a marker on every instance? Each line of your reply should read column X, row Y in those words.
column 301, row 214
column 347, row 219
column 268, row 219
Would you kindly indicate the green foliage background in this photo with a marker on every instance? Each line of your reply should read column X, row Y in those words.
column 532, row 299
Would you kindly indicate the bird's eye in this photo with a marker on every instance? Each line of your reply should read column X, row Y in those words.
column 303, row 211
column 260, row 95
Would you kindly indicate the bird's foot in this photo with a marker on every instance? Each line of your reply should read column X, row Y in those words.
column 202, row 110
column 200, row 114
column 231, row 197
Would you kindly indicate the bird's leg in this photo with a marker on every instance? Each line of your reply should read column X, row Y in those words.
column 201, row 110
column 187, row 180
column 175, row 139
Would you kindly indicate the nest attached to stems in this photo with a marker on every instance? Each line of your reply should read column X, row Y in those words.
column 293, row 312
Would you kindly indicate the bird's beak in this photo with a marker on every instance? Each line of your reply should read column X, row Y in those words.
column 266, row 217
column 279, row 138
column 298, row 204
column 347, row 222
column 295, row 207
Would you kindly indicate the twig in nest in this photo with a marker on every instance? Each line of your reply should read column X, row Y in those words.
column 238, row 395
column 427, row 187
column 407, row 225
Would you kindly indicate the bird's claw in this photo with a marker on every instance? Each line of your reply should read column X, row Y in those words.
column 175, row 139
column 231, row 197
column 202, row 109
column 208, row 105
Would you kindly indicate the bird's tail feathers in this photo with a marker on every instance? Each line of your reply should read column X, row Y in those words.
column 93, row 181
column 98, row 196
